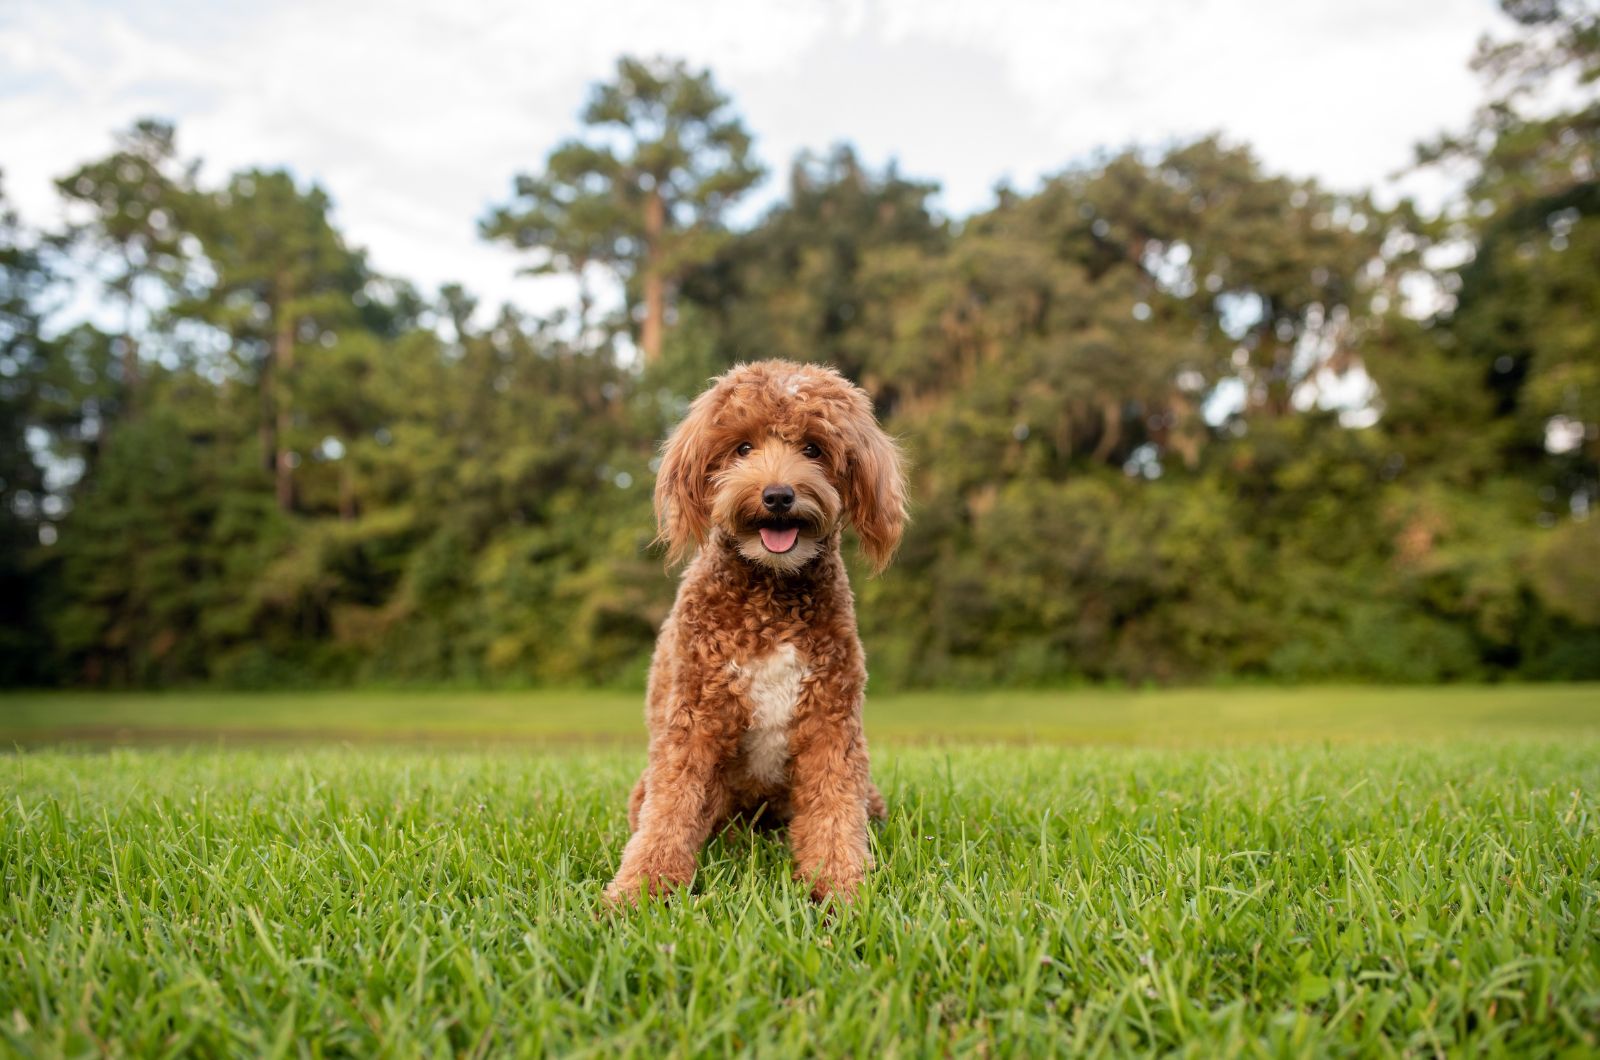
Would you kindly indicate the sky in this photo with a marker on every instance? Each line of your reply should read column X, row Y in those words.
column 415, row 114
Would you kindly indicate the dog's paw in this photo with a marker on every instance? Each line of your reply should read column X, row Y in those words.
column 626, row 891
column 833, row 893
column 619, row 897
column 831, row 888
column 626, row 894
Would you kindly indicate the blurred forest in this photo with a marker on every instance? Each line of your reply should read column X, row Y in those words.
column 1173, row 418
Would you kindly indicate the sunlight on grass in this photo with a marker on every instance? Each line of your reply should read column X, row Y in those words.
column 1192, row 716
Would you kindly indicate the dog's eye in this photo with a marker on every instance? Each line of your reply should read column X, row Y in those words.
column 810, row 450
column 743, row 449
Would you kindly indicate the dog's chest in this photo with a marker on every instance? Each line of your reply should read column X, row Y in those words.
column 771, row 686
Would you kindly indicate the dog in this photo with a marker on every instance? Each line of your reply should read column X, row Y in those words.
column 755, row 689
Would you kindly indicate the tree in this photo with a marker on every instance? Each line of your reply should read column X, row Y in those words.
column 127, row 207
column 164, row 544
column 23, row 359
column 1524, row 303
column 644, row 193
column 284, row 283
column 1124, row 468
column 570, row 219
column 797, row 284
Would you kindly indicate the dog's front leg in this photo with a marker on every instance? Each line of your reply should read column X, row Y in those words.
column 683, row 796
column 828, row 831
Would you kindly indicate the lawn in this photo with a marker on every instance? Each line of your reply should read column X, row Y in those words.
column 1089, row 716
column 1284, row 873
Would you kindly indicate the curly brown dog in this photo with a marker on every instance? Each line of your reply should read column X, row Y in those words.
column 755, row 690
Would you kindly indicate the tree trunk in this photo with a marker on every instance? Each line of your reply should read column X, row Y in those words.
column 130, row 360
column 130, row 375
column 655, row 294
column 347, row 489
column 585, row 301
column 283, row 364
column 267, row 428
column 1110, row 430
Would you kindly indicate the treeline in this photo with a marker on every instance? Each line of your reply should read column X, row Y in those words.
column 1173, row 418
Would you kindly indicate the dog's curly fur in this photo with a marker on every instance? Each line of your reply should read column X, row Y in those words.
column 755, row 692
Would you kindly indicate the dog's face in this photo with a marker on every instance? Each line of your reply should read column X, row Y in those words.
column 778, row 455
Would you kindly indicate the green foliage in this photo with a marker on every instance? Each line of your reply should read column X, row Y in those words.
column 166, row 534
column 1528, row 299
column 644, row 194
column 802, row 284
column 1171, row 418
column 1566, row 577
column 24, row 360
column 128, row 212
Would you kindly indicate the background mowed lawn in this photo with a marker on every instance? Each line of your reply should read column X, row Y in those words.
column 1331, row 870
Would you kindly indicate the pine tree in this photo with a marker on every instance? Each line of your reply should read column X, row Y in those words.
column 285, row 282
column 23, row 357
column 126, row 209
column 1524, row 307
column 644, row 193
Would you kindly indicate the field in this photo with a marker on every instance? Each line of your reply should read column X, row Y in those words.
column 1192, row 717
column 1256, row 872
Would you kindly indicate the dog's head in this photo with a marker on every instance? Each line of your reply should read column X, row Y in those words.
column 778, row 455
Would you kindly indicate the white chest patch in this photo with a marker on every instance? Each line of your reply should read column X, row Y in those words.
column 773, row 689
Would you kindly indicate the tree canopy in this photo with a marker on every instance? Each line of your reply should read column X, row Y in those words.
column 644, row 193
column 1172, row 417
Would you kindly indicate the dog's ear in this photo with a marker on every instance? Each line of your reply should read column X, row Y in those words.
column 683, row 483
column 874, row 486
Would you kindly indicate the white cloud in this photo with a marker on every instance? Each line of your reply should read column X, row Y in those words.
column 1339, row 89
column 415, row 113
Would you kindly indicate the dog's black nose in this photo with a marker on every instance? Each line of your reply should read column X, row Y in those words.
column 778, row 498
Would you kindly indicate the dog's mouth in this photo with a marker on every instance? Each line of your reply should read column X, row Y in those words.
column 779, row 535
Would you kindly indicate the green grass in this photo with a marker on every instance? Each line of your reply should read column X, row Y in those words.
column 1097, row 716
column 1426, row 884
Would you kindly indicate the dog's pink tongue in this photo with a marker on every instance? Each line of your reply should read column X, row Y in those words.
column 779, row 540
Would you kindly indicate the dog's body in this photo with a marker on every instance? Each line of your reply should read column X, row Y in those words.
column 755, row 695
